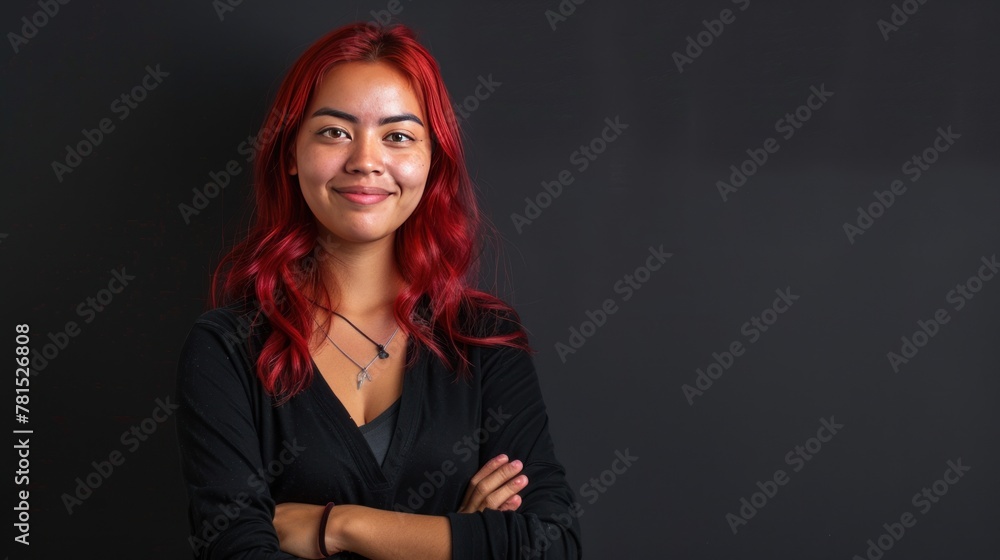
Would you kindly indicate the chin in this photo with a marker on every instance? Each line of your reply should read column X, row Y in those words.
column 366, row 236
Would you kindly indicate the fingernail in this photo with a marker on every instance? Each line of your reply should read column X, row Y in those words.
column 517, row 464
column 500, row 457
column 520, row 480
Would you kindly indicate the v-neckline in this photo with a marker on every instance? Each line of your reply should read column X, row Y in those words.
column 377, row 476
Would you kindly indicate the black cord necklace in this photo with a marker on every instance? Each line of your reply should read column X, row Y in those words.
column 381, row 347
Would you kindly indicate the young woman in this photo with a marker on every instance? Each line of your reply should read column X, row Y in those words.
column 352, row 395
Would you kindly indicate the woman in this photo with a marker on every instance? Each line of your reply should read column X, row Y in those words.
column 352, row 395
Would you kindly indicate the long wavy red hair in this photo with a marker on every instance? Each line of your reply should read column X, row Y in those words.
column 277, row 265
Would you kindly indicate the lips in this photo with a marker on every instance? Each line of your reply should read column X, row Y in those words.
column 362, row 190
column 364, row 195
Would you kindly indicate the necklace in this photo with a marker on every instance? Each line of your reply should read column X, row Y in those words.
column 363, row 375
column 381, row 347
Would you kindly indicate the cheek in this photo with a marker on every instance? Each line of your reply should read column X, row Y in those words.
column 316, row 165
column 412, row 171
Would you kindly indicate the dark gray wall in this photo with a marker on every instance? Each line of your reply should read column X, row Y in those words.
column 823, row 359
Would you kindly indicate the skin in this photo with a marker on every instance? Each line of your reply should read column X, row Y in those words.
column 379, row 138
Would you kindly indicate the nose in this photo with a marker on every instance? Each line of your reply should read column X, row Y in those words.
column 365, row 156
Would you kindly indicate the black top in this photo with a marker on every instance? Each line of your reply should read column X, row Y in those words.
column 378, row 432
column 241, row 455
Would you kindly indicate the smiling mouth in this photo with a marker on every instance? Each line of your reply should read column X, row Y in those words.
column 366, row 195
column 362, row 190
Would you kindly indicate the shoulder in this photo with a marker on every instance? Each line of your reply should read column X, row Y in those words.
column 484, row 320
column 240, row 315
column 216, row 368
column 483, row 326
column 504, row 352
column 217, row 359
column 237, row 328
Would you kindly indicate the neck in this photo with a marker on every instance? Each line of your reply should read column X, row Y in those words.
column 366, row 277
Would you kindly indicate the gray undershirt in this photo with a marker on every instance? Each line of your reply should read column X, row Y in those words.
column 379, row 431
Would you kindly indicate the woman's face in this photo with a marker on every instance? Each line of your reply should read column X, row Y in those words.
column 363, row 152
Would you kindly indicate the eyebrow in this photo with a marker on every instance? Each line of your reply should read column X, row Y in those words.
column 328, row 112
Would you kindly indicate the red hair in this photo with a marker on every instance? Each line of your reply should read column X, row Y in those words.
column 435, row 249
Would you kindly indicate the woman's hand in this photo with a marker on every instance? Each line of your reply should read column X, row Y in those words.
column 495, row 486
column 297, row 526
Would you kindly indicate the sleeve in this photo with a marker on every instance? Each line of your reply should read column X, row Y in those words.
column 546, row 526
column 231, row 510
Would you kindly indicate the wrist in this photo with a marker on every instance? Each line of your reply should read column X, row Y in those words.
column 322, row 545
column 337, row 528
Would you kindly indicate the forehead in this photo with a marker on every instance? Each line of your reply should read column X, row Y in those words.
column 369, row 90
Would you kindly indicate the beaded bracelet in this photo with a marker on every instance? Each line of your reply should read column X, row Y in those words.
column 322, row 530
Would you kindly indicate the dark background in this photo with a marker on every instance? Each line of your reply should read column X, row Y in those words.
column 654, row 185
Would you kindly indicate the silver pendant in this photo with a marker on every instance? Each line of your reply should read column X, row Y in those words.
column 362, row 376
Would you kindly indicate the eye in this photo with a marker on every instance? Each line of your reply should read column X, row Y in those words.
column 398, row 137
column 334, row 133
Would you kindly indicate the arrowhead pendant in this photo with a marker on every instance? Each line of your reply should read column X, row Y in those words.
column 362, row 376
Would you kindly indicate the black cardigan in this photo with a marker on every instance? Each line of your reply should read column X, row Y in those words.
column 241, row 455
